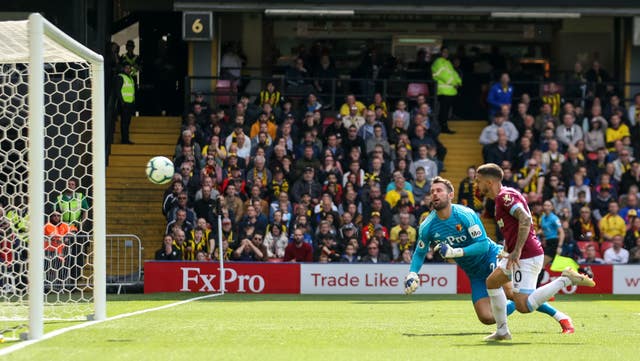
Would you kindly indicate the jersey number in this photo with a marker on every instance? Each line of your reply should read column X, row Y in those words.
column 517, row 276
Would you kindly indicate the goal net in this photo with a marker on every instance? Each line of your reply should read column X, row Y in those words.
column 52, row 225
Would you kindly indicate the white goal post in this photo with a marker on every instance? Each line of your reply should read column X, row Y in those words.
column 35, row 50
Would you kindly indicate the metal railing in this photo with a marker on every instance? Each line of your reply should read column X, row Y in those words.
column 124, row 260
column 332, row 94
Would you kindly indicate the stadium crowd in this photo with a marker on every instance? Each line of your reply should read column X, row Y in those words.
column 295, row 182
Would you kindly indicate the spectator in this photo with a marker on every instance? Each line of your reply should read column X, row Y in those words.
column 597, row 79
column 307, row 185
column 366, row 131
column 347, row 108
column 350, row 254
column 545, row 119
column 569, row 133
column 612, row 225
column 631, row 178
column 595, row 138
column 298, row 250
column 276, row 241
column 500, row 151
column 353, row 118
column 591, row 256
column 379, row 102
column 448, row 81
column 402, row 113
column 420, row 185
column 374, row 255
column 325, row 77
column 270, row 95
column 530, row 178
column 632, row 237
column 126, row 101
column 622, row 164
column 168, row 252
column 182, row 204
column 634, row 253
column 559, row 199
column 378, row 138
column 422, row 161
column 571, row 165
column 489, row 134
column 577, row 187
column 328, row 247
column 616, row 254
column 616, row 131
column 72, row 205
column 634, row 112
column 251, row 249
column 399, row 190
column 179, row 222
column 584, row 226
column 500, row 94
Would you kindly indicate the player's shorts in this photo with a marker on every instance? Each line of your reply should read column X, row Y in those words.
column 479, row 282
column 550, row 247
column 524, row 277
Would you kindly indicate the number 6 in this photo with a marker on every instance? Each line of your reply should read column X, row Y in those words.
column 197, row 26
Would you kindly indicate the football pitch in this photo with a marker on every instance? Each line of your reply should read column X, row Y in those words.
column 308, row 327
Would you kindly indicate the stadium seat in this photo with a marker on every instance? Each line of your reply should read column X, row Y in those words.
column 582, row 246
column 415, row 89
column 225, row 89
column 327, row 121
column 605, row 246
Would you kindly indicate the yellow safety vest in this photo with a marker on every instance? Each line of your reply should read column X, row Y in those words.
column 446, row 76
column 128, row 90
column 71, row 209
column 133, row 61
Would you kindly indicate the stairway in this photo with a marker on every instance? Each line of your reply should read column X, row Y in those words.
column 134, row 205
column 464, row 151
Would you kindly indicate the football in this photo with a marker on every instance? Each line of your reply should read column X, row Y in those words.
column 160, row 170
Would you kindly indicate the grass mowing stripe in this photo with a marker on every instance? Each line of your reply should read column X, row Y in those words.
column 52, row 334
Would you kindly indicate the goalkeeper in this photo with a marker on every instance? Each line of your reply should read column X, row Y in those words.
column 457, row 233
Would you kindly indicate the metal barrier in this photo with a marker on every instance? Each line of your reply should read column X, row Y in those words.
column 124, row 260
column 332, row 95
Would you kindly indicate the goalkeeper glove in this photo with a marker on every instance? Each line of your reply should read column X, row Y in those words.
column 411, row 283
column 447, row 251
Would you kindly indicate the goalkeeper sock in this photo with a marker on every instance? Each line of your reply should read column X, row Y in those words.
column 499, row 308
column 544, row 293
column 551, row 311
column 511, row 307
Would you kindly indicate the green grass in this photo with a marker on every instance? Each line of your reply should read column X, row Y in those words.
column 294, row 327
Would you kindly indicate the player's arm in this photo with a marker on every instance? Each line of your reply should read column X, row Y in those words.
column 524, row 225
column 560, row 238
column 412, row 281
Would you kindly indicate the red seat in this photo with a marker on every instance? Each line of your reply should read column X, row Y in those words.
column 582, row 246
column 605, row 246
column 415, row 89
column 225, row 91
column 327, row 121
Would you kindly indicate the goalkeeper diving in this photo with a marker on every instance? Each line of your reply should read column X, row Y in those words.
column 457, row 233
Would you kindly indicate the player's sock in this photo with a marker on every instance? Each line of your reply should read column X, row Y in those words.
column 499, row 308
column 544, row 293
column 548, row 309
column 511, row 306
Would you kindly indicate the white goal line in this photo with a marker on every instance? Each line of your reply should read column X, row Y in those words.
column 52, row 334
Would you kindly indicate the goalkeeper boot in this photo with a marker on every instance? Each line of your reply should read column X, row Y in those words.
column 567, row 326
column 578, row 279
column 496, row 336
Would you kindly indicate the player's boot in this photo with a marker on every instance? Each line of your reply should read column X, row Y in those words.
column 567, row 326
column 498, row 337
column 578, row 279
